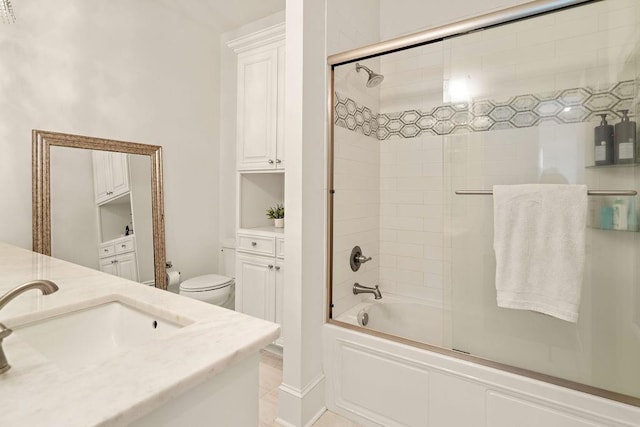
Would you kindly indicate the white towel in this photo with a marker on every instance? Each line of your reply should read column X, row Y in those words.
column 539, row 240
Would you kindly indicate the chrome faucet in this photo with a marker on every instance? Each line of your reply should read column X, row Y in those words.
column 46, row 287
column 360, row 289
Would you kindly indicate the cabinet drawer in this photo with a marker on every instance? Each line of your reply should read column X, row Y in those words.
column 106, row 249
column 280, row 247
column 256, row 244
column 124, row 245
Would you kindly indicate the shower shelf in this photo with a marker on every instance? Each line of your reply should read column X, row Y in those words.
column 613, row 229
column 623, row 165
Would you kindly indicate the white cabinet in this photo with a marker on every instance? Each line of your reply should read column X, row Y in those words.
column 260, row 119
column 118, row 257
column 110, row 175
column 259, row 278
column 260, row 164
column 255, row 281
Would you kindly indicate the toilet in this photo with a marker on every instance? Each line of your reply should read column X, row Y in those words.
column 214, row 289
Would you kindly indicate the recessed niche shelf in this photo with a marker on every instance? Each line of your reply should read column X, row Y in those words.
column 621, row 165
column 259, row 192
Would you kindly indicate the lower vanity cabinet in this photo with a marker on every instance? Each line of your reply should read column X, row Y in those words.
column 118, row 257
column 259, row 284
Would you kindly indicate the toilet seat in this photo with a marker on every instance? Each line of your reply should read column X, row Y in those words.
column 207, row 282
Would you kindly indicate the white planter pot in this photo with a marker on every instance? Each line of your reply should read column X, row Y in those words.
column 278, row 222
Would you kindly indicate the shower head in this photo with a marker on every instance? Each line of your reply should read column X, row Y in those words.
column 374, row 78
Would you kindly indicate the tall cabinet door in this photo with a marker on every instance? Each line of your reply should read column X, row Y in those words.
column 101, row 178
column 257, row 109
column 255, row 286
column 279, row 295
column 119, row 174
column 281, row 113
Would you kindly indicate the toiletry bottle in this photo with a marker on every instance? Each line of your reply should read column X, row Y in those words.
column 603, row 140
column 606, row 217
column 620, row 214
column 632, row 215
column 625, row 140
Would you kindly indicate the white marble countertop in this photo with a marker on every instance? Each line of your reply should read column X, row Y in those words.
column 34, row 392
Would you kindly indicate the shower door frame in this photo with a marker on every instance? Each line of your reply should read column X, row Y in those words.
column 434, row 35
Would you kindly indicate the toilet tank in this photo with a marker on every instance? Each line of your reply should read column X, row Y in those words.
column 227, row 264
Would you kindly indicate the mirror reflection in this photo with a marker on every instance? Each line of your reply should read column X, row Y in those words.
column 99, row 203
column 101, row 211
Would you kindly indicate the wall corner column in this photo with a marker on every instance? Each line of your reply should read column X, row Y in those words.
column 302, row 393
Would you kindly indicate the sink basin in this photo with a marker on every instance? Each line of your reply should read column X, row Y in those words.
column 92, row 335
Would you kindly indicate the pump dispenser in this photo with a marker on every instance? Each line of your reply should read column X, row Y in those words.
column 603, row 141
column 625, row 140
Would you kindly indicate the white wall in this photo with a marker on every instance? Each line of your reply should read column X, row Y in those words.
column 352, row 24
column 140, row 174
column 121, row 70
column 74, row 217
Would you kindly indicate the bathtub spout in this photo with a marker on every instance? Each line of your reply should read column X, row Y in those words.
column 360, row 289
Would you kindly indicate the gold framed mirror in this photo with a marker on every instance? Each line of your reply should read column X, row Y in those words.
column 112, row 205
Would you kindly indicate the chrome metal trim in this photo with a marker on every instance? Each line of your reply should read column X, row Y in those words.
column 330, row 193
column 590, row 192
column 503, row 16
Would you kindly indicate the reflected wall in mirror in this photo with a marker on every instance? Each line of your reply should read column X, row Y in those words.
column 99, row 203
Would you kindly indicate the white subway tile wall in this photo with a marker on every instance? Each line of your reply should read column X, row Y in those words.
column 356, row 219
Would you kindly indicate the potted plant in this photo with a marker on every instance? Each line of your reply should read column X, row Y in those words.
column 277, row 214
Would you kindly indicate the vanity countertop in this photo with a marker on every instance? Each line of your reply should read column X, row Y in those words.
column 35, row 392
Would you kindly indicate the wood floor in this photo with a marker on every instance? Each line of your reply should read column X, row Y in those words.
column 270, row 379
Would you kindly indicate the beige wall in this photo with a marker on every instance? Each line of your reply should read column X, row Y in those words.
column 136, row 71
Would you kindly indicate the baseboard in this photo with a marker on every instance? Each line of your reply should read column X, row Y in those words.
column 300, row 408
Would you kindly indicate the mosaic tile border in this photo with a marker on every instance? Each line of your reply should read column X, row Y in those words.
column 573, row 105
column 348, row 114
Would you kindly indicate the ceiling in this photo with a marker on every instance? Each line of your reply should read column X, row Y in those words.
column 224, row 15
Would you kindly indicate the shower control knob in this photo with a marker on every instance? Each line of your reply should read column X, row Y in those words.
column 357, row 259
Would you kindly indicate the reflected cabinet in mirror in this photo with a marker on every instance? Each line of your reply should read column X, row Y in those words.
column 99, row 203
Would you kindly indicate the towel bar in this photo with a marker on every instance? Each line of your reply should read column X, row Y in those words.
column 590, row 192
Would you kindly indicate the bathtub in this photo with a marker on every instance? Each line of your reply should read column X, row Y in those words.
column 379, row 380
column 400, row 317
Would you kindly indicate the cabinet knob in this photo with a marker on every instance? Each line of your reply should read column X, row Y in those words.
column 277, row 268
column 270, row 267
column 278, row 161
column 270, row 161
column 253, row 243
column 106, row 250
column 123, row 246
column 114, row 261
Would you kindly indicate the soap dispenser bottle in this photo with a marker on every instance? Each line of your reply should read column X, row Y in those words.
column 603, row 141
column 625, row 140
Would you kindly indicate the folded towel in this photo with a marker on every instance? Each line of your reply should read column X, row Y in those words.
column 539, row 240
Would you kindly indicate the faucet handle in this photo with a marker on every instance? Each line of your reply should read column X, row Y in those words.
column 4, row 331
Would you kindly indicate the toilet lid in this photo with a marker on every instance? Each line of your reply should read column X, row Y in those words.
column 206, row 283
